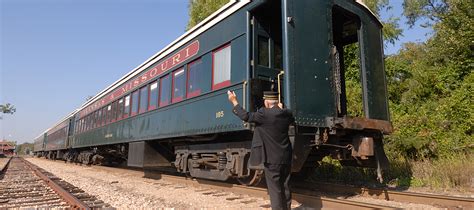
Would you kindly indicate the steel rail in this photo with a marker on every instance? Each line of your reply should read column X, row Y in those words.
column 305, row 197
column 393, row 195
column 4, row 167
column 65, row 195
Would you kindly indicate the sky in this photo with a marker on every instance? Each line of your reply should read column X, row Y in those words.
column 56, row 53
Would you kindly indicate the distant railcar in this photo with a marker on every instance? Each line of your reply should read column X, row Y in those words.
column 172, row 110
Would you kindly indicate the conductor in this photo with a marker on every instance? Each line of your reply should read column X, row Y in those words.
column 271, row 134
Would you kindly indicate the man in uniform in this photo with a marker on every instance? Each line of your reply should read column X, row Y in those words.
column 271, row 131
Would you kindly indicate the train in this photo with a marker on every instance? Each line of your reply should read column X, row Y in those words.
column 172, row 110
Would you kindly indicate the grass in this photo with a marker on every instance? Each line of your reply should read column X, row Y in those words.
column 455, row 173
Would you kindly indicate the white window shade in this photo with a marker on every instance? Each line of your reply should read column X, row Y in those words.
column 221, row 65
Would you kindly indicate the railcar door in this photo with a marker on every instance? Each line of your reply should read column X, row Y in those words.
column 267, row 62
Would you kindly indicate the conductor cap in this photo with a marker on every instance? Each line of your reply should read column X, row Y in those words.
column 270, row 95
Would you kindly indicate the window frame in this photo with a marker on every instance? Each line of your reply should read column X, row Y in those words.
column 160, row 103
column 145, row 109
column 103, row 119
column 127, row 114
column 188, row 72
column 225, row 83
column 114, row 111
column 157, row 95
column 177, row 99
column 137, row 91
column 120, row 108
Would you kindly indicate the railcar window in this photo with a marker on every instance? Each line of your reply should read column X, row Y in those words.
column 263, row 51
column 114, row 111
column 153, row 96
column 91, row 121
column 165, row 95
column 126, row 110
column 221, row 67
column 143, row 99
column 194, row 79
column 179, row 80
column 79, row 124
column 99, row 117
column 88, row 122
column 94, row 119
column 134, row 103
column 108, row 117
column 84, row 124
column 120, row 109
column 104, row 116
column 278, row 56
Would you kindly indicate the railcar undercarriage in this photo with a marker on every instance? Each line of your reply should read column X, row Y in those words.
column 216, row 161
column 104, row 155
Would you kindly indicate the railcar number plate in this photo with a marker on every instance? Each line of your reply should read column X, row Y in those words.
column 219, row 114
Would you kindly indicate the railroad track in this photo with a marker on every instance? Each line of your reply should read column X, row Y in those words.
column 451, row 202
column 308, row 198
column 3, row 163
column 309, row 193
column 24, row 185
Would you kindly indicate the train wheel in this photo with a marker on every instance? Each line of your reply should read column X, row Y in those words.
column 253, row 179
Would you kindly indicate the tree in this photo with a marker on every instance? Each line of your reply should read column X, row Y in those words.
column 24, row 149
column 201, row 9
column 430, row 84
column 7, row 109
column 433, row 10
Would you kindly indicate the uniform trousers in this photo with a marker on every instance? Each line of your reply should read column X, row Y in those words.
column 278, row 177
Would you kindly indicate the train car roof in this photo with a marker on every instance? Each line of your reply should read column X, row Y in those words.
column 361, row 2
column 60, row 121
column 225, row 11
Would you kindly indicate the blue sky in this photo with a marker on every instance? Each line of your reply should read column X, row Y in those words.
column 55, row 53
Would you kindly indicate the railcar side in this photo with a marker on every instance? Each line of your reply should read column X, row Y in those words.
column 173, row 111
column 38, row 146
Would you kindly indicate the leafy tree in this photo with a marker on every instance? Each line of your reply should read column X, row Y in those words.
column 24, row 149
column 431, row 102
column 201, row 9
column 433, row 10
column 7, row 109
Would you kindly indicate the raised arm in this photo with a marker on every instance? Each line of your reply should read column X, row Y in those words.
column 252, row 117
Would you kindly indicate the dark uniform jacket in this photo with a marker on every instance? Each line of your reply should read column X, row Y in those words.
column 270, row 143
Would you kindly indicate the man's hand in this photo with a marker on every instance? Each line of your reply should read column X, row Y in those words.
column 280, row 105
column 232, row 97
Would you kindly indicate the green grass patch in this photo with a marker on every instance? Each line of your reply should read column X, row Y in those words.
column 448, row 173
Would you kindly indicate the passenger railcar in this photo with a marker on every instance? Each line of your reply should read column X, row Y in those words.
column 172, row 110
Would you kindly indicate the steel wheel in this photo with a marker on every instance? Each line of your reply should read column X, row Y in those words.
column 253, row 179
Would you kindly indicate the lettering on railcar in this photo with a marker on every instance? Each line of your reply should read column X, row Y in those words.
column 160, row 68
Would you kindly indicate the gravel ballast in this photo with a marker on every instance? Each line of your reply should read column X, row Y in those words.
column 128, row 190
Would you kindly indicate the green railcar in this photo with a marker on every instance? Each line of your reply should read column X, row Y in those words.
column 172, row 110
